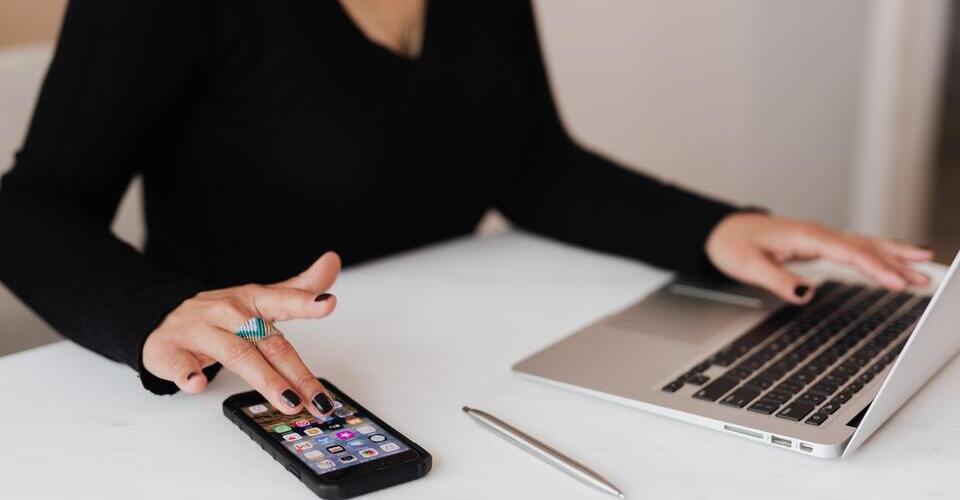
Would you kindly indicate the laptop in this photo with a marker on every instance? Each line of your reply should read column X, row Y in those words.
column 817, row 379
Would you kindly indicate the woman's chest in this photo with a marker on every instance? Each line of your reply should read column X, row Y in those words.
column 307, row 104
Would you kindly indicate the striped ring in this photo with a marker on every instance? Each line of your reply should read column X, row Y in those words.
column 256, row 330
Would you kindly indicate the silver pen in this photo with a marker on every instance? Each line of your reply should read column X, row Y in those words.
column 553, row 457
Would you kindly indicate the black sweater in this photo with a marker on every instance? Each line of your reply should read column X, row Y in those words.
column 268, row 132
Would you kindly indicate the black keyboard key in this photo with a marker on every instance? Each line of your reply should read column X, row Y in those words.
column 773, row 373
column 723, row 358
column 761, row 382
column 865, row 378
column 753, row 363
column 784, row 365
column 698, row 379
column 765, row 406
column 830, row 408
column 739, row 372
column 741, row 397
column 817, row 418
column 876, row 368
column 835, row 378
column 673, row 386
column 790, row 387
column 825, row 388
column 702, row 367
column 813, row 397
column 841, row 398
column 796, row 410
column 855, row 386
column 778, row 396
column 714, row 390
column 801, row 378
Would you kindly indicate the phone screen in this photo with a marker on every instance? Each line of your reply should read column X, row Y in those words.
column 345, row 438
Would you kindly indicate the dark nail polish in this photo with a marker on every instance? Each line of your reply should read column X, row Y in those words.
column 801, row 290
column 323, row 403
column 322, row 297
column 192, row 374
column 290, row 398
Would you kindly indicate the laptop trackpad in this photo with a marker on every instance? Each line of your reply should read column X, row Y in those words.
column 680, row 316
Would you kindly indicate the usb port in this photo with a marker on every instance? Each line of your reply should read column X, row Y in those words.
column 781, row 441
column 806, row 447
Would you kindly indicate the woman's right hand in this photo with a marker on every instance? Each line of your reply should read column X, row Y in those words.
column 200, row 332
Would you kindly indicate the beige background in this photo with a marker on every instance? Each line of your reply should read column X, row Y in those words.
column 784, row 104
column 27, row 21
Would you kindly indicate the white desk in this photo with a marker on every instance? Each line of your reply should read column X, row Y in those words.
column 414, row 338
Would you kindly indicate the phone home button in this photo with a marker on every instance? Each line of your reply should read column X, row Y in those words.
column 293, row 470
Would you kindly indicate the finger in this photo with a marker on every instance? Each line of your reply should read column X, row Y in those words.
column 759, row 270
column 178, row 366
column 319, row 277
column 903, row 268
column 275, row 303
column 840, row 249
column 907, row 251
column 284, row 358
column 244, row 359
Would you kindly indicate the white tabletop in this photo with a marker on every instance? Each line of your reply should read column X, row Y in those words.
column 414, row 338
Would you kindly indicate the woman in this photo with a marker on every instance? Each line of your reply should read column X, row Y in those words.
column 269, row 132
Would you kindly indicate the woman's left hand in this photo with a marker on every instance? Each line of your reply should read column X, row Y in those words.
column 752, row 248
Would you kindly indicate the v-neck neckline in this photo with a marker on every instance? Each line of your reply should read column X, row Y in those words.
column 424, row 44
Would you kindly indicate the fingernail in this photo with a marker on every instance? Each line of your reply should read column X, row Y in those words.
column 801, row 290
column 323, row 403
column 191, row 375
column 290, row 398
column 322, row 297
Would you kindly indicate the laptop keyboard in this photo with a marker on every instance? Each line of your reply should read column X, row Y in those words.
column 804, row 363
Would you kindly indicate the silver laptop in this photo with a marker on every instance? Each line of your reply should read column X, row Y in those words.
column 817, row 379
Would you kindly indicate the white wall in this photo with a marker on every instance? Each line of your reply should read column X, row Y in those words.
column 752, row 100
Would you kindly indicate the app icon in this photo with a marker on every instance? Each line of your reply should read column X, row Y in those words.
column 347, row 459
column 368, row 452
column 356, row 442
column 257, row 409
column 335, row 448
column 325, row 464
column 301, row 423
column 337, row 404
column 388, row 447
column 313, row 455
column 328, row 418
column 366, row 429
column 354, row 421
column 322, row 439
column 302, row 445
column 343, row 413
column 378, row 438
column 345, row 435
column 280, row 429
column 293, row 436
column 313, row 431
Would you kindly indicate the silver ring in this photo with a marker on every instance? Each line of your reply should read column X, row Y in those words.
column 256, row 329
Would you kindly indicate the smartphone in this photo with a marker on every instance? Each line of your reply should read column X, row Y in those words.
column 348, row 453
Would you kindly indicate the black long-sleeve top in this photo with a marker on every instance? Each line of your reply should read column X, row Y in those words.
column 268, row 132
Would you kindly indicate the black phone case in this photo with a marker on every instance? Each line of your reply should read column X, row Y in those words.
column 378, row 479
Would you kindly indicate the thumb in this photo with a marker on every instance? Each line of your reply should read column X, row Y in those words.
column 319, row 277
column 761, row 271
column 178, row 366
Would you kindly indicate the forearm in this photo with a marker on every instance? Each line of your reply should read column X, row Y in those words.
column 96, row 290
column 577, row 196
